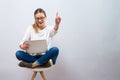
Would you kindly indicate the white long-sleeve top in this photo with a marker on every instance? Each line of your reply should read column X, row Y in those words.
column 46, row 34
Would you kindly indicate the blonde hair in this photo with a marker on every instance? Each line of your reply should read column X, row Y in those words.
column 35, row 27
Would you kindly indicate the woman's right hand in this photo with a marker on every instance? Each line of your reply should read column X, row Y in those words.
column 24, row 46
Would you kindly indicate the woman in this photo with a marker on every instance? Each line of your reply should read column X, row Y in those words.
column 38, row 31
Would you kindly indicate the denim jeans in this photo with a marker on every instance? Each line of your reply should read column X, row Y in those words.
column 52, row 53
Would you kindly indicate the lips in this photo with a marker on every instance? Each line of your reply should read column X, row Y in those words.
column 40, row 22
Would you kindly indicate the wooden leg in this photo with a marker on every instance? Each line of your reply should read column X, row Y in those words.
column 33, row 76
column 43, row 75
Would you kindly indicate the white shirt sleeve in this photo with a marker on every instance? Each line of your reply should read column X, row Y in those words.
column 53, row 32
column 26, row 35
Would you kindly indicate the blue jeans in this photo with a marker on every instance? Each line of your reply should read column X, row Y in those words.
column 52, row 53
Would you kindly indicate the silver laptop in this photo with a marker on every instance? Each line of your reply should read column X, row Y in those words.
column 36, row 46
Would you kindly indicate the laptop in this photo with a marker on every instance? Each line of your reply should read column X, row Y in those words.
column 36, row 46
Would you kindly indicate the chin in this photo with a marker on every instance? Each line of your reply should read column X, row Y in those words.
column 40, row 25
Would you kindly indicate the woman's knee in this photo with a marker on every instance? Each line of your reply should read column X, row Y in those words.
column 19, row 53
column 55, row 50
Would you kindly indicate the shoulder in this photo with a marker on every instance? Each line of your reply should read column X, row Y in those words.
column 30, row 27
column 49, row 27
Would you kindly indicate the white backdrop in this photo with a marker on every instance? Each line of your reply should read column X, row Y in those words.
column 88, row 38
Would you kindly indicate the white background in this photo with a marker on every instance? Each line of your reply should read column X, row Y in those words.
column 88, row 38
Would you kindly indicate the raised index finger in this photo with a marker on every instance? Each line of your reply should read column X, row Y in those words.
column 57, row 14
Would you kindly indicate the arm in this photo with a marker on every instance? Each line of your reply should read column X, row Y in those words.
column 57, row 22
column 25, row 38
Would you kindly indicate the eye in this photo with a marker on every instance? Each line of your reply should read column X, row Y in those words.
column 40, row 18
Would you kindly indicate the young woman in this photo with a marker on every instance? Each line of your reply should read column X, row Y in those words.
column 39, row 31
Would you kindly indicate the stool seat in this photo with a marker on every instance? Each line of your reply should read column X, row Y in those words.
column 42, row 68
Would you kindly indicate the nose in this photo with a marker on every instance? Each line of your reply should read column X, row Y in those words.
column 40, row 20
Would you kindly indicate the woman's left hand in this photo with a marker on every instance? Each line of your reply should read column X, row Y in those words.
column 57, row 19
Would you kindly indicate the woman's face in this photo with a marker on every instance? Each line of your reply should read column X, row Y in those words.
column 40, row 19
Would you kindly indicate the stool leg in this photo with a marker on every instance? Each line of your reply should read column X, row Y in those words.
column 43, row 75
column 33, row 76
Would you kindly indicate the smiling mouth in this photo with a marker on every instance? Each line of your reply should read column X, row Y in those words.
column 40, row 22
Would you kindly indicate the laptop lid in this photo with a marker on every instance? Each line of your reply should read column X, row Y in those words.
column 36, row 46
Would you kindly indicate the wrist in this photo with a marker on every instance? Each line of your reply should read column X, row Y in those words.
column 56, row 25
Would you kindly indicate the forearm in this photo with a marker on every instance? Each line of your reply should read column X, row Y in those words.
column 56, row 27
